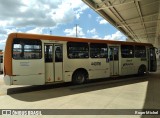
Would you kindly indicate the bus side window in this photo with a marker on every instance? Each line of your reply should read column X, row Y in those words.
column 140, row 51
column 127, row 51
column 77, row 50
column 98, row 50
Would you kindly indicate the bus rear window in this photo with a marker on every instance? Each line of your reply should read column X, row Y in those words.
column 27, row 49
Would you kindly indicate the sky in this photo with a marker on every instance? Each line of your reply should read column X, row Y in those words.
column 54, row 17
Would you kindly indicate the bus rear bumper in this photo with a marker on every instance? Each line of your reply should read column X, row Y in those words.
column 7, row 80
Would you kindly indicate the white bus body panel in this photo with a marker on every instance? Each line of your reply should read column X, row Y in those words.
column 131, row 65
column 128, row 66
column 99, row 68
column 49, row 75
column 96, row 68
column 70, row 65
column 28, row 72
column 114, row 68
column 58, row 71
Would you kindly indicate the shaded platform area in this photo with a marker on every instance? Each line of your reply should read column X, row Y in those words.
column 152, row 99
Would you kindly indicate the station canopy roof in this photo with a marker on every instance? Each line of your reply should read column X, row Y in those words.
column 139, row 20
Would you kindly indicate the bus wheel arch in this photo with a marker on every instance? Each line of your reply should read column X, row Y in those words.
column 80, row 76
column 142, row 69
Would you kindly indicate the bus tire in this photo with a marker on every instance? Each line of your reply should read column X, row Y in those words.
column 79, row 77
column 142, row 70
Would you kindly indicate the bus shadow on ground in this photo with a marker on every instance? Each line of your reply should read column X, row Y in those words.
column 37, row 93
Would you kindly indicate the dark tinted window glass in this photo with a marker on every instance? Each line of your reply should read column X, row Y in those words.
column 77, row 50
column 114, row 53
column 48, row 49
column 1, row 59
column 98, row 50
column 58, row 53
column 140, row 51
column 127, row 51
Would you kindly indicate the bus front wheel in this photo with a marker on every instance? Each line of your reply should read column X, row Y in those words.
column 79, row 77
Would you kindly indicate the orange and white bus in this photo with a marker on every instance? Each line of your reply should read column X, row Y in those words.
column 31, row 59
column 1, row 62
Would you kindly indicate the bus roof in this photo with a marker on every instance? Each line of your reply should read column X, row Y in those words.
column 72, row 39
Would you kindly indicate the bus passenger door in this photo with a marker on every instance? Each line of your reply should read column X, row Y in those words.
column 58, row 62
column 114, row 60
column 152, row 60
column 53, row 62
column 49, row 70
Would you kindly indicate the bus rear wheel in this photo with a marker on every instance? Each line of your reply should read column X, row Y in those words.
column 142, row 70
column 79, row 77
